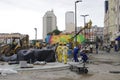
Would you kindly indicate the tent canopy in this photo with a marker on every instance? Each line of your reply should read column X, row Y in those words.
column 118, row 38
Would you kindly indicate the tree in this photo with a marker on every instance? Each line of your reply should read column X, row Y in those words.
column 50, row 33
column 56, row 32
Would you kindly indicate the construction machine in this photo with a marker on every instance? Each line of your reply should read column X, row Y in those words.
column 87, row 26
column 16, row 45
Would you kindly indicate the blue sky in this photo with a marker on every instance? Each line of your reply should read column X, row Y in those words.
column 23, row 16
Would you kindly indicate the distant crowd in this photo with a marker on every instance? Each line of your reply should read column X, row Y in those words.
column 70, row 51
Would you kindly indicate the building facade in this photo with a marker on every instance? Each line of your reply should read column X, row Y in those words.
column 6, row 38
column 49, row 23
column 112, row 20
column 96, row 31
column 69, row 22
column 117, row 17
column 106, row 22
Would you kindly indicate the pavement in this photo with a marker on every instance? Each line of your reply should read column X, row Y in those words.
column 102, row 66
column 47, row 66
column 101, row 57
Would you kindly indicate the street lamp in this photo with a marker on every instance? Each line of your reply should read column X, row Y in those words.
column 76, row 20
column 84, row 16
column 35, row 33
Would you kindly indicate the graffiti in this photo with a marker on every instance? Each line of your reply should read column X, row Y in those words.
column 63, row 38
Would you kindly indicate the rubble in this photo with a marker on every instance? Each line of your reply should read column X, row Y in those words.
column 7, row 71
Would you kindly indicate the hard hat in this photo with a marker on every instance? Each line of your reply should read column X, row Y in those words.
column 64, row 43
column 60, row 43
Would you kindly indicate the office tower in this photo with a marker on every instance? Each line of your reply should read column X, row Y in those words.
column 69, row 21
column 49, row 23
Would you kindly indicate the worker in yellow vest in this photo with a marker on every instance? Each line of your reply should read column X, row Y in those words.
column 37, row 45
column 59, row 52
column 65, row 53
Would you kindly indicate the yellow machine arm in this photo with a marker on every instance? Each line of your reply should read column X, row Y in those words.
column 88, row 26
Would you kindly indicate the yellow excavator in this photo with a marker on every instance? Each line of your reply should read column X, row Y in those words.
column 87, row 26
column 14, row 47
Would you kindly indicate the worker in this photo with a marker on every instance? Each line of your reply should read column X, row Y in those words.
column 75, row 52
column 84, row 57
column 37, row 45
column 65, row 52
column 59, row 52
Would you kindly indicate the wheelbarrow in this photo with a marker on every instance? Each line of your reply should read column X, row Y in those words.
column 78, row 68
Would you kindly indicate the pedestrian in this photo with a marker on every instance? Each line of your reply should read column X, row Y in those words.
column 116, row 48
column 91, row 48
column 75, row 53
column 97, row 48
column 108, row 48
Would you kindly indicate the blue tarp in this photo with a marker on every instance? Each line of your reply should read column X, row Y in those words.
column 47, row 39
column 118, row 38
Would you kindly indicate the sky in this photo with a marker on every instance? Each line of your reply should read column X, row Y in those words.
column 22, row 16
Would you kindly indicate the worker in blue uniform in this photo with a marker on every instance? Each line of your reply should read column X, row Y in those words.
column 84, row 57
column 75, row 53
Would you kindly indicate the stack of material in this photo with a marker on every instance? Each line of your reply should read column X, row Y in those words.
column 36, row 55
column 23, row 64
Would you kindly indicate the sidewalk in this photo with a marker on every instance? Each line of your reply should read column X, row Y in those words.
column 47, row 66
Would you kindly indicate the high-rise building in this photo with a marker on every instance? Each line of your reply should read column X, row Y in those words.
column 49, row 23
column 69, row 21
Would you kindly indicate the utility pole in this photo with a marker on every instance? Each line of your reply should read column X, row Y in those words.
column 84, row 16
column 35, row 33
column 76, row 20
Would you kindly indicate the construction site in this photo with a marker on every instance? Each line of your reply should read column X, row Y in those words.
column 59, row 40
column 27, row 62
